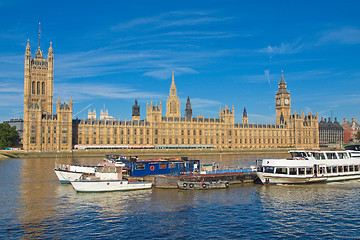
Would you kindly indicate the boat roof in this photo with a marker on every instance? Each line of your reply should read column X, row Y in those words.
column 320, row 151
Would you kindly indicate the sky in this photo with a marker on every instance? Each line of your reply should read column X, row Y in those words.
column 109, row 53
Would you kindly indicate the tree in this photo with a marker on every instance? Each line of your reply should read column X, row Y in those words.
column 9, row 137
column 357, row 135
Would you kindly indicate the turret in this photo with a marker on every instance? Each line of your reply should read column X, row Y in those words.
column 245, row 119
column 188, row 110
column 136, row 112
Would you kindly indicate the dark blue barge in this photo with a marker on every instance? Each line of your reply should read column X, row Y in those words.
column 157, row 166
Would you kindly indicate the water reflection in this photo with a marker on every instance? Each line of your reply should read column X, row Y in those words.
column 37, row 197
column 47, row 209
column 324, row 209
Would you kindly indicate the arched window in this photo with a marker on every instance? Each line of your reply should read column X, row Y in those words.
column 33, row 87
column 43, row 88
column 38, row 88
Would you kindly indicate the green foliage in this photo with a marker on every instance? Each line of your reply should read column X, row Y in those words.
column 358, row 135
column 9, row 137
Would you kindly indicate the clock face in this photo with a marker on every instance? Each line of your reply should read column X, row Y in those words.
column 278, row 101
column 286, row 101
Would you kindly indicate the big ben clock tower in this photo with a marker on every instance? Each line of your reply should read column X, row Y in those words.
column 282, row 102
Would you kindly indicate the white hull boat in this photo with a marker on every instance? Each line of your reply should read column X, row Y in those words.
column 108, row 178
column 308, row 166
column 108, row 185
column 68, row 173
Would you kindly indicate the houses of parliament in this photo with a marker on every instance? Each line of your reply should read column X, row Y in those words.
column 47, row 130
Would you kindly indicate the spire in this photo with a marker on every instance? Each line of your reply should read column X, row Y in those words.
column 39, row 53
column 244, row 113
column 282, row 85
column 50, row 48
column 188, row 110
column 39, row 35
column 28, row 46
column 282, row 81
column 173, row 81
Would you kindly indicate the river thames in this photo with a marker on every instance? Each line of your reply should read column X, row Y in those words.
column 34, row 205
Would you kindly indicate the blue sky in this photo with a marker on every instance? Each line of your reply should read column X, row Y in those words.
column 109, row 53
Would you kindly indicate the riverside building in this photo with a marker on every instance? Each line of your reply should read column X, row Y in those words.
column 45, row 130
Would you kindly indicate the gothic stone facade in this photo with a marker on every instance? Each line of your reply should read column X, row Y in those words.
column 44, row 131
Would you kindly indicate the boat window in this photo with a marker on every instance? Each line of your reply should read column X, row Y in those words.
column 301, row 171
column 293, row 171
column 298, row 155
column 331, row 155
column 340, row 169
column 309, row 171
column 269, row 169
column 351, row 168
column 319, row 156
column 171, row 165
column 334, row 169
column 341, row 155
column 346, row 168
column 140, row 166
column 281, row 170
column 321, row 170
column 162, row 165
column 328, row 169
column 356, row 168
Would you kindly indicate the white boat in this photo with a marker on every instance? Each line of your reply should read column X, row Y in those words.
column 308, row 166
column 108, row 185
column 354, row 150
column 106, row 179
column 68, row 173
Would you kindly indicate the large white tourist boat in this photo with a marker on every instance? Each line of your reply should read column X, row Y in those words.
column 107, row 178
column 307, row 166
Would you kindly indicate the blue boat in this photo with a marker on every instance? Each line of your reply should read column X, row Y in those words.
column 157, row 166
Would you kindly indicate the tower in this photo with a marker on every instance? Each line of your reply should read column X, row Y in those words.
column 226, row 115
column 188, row 110
column 173, row 103
column 43, row 130
column 245, row 119
column 38, row 79
column 282, row 102
column 153, row 113
column 136, row 112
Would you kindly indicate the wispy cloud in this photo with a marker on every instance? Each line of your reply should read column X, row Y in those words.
column 284, row 48
column 258, row 118
column 10, row 87
column 347, row 35
column 199, row 103
column 11, row 99
column 85, row 91
column 171, row 19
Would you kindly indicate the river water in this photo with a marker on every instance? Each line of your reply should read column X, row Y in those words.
column 34, row 205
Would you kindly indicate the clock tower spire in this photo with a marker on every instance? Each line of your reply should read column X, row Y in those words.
column 282, row 102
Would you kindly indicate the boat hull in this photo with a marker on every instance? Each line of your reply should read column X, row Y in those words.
column 185, row 185
column 108, row 186
column 67, row 176
column 270, row 178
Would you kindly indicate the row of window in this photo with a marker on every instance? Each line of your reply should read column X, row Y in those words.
column 35, row 88
column 310, row 170
column 190, row 132
column 181, row 141
column 33, row 140
column 141, row 166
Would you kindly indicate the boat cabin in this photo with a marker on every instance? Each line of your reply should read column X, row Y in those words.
column 172, row 166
